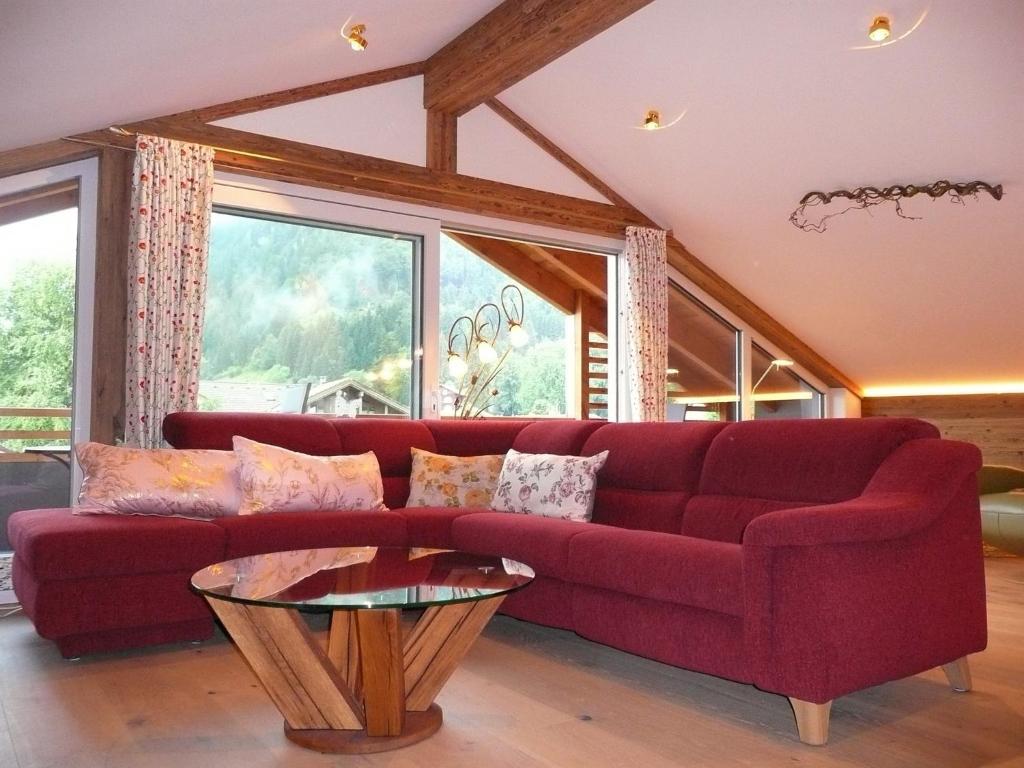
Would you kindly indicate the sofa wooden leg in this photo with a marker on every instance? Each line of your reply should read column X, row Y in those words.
column 811, row 721
column 959, row 674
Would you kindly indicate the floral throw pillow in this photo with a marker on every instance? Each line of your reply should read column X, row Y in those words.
column 548, row 485
column 165, row 482
column 274, row 479
column 452, row 481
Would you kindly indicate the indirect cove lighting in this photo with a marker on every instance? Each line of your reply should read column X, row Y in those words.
column 880, row 29
column 355, row 36
column 924, row 390
column 698, row 400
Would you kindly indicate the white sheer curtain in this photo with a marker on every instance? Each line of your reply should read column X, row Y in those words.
column 172, row 200
column 646, row 306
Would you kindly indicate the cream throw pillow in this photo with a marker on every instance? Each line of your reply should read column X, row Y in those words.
column 452, row 481
column 274, row 479
column 164, row 482
column 548, row 485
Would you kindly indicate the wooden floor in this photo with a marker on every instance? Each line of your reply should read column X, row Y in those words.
column 526, row 697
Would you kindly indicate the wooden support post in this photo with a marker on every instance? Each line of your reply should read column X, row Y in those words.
column 291, row 665
column 442, row 141
column 380, row 647
column 442, row 636
column 811, row 721
column 959, row 674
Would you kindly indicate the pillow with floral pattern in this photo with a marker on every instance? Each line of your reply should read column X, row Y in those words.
column 274, row 479
column 165, row 482
column 452, row 481
column 548, row 485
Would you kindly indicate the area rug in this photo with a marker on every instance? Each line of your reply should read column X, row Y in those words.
column 5, row 572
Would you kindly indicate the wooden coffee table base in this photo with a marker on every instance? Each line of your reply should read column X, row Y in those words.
column 372, row 690
column 418, row 726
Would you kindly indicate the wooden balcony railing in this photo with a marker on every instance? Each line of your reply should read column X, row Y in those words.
column 55, row 435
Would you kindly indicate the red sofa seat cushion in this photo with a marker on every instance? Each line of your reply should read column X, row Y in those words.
column 660, row 566
column 305, row 433
column 280, row 532
column 432, row 526
column 540, row 542
column 55, row 544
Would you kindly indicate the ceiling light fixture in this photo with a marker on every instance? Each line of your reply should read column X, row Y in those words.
column 880, row 29
column 652, row 121
column 355, row 36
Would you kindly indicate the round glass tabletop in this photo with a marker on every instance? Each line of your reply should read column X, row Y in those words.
column 355, row 578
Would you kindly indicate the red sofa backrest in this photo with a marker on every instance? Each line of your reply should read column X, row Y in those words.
column 213, row 431
column 756, row 467
column 651, row 472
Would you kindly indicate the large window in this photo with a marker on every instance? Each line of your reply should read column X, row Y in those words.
column 778, row 392
column 309, row 317
column 703, row 369
column 534, row 374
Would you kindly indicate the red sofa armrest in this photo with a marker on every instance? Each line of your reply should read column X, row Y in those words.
column 908, row 493
column 844, row 596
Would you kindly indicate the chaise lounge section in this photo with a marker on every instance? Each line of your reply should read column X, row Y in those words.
column 809, row 558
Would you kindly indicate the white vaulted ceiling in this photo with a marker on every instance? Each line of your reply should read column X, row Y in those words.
column 777, row 104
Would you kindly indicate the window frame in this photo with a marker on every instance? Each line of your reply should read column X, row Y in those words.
column 86, row 173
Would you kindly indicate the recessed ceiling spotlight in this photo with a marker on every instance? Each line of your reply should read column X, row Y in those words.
column 880, row 29
column 652, row 121
column 355, row 36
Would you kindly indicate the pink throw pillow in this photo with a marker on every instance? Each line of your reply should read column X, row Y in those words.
column 200, row 485
column 274, row 479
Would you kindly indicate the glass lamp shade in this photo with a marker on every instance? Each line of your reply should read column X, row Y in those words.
column 517, row 335
column 487, row 352
column 456, row 365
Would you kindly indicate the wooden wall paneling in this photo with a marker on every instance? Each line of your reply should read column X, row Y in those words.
column 111, row 304
column 442, row 141
column 38, row 156
column 995, row 423
column 511, row 42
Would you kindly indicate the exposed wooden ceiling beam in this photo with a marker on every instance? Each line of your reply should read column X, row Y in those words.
column 37, row 156
column 510, row 43
column 697, row 271
column 558, row 153
column 442, row 141
column 302, row 93
column 292, row 161
column 585, row 271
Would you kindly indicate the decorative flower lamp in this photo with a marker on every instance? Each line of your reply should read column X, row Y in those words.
column 480, row 335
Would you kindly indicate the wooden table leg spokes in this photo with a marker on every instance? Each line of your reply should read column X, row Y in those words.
column 369, row 692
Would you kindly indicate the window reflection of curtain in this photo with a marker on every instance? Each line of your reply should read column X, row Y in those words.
column 646, row 305
column 172, row 199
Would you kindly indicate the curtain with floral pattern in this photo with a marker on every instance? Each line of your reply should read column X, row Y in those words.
column 646, row 306
column 172, row 201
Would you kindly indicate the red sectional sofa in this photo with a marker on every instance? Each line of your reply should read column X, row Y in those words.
column 810, row 558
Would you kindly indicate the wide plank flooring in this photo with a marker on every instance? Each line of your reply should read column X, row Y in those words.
column 525, row 697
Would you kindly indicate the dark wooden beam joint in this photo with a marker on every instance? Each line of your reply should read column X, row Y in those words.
column 442, row 141
column 510, row 43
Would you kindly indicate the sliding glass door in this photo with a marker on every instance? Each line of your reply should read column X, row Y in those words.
column 45, row 316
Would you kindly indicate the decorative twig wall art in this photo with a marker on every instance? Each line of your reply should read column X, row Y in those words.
column 864, row 198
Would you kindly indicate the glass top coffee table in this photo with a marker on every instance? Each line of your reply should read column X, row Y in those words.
column 373, row 688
